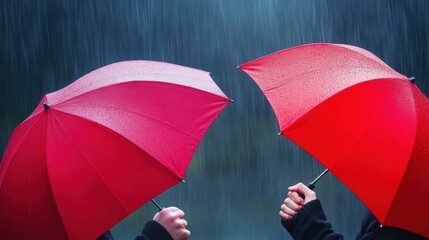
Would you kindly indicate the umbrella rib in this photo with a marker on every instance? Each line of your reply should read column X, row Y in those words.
column 324, row 100
column 140, row 114
column 297, row 77
column 372, row 60
column 287, row 82
column 49, row 185
column 66, row 102
column 349, row 50
column 14, row 154
column 134, row 80
column 408, row 165
column 113, row 194
column 22, row 139
column 111, row 130
column 114, row 132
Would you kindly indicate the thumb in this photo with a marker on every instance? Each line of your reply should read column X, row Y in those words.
column 309, row 195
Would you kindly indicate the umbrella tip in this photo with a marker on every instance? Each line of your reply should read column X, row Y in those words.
column 412, row 79
column 183, row 180
column 280, row 133
column 46, row 105
column 231, row 100
column 238, row 67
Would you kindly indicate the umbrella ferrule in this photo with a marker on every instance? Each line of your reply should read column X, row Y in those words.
column 46, row 105
column 412, row 79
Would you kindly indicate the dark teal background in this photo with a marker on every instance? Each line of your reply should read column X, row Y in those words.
column 241, row 170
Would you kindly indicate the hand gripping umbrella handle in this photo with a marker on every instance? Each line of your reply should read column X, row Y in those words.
column 311, row 185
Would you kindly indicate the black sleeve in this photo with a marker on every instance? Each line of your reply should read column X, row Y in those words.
column 154, row 231
column 106, row 236
column 311, row 223
column 371, row 229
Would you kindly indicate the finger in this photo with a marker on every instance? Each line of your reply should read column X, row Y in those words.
column 167, row 214
column 170, row 209
column 186, row 233
column 294, row 196
column 295, row 187
column 179, row 213
column 167, row 211
column 309, row 195
column 287, row 210
column 180, row 223
column 284, row 216
column 299, row 187
column 184, row 223
column 292, row 205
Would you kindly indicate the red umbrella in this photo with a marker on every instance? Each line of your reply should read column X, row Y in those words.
column 96, row 150
column 366, row 123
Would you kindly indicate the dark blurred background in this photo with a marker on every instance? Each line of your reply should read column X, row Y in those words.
column 240, row 172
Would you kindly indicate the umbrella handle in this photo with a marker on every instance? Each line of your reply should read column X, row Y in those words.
column 311, row 185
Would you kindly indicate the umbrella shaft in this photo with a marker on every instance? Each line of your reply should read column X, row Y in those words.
column 156, row 204
column 311, row 184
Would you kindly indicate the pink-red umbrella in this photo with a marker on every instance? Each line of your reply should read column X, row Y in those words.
column 95, row 151
column 366, row 123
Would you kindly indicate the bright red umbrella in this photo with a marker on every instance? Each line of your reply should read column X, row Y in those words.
column 366, row 123
column 96, row 150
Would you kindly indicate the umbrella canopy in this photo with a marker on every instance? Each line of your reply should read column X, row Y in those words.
column 93, row 152
column 366, row 123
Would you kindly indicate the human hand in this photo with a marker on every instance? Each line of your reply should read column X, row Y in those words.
column 293, row 203
column 171, row 219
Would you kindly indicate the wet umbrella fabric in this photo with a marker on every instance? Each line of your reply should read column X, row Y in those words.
column 366, row 123
column 96, row 150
